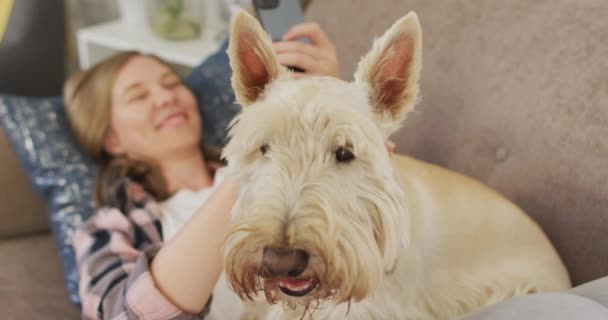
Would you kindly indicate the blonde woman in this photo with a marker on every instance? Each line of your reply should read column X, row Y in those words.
column 137, row 119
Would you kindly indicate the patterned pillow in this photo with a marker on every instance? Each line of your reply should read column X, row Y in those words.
column 59, row 171
column 64, row 175
column 210, row 82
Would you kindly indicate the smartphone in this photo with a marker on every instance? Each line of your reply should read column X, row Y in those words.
column 278, row 16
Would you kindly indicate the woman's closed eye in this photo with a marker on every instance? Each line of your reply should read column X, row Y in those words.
column 135, row 92
column 171, row 81
column 137, row 95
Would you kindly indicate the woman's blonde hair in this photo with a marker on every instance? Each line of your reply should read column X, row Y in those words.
column 88, row 100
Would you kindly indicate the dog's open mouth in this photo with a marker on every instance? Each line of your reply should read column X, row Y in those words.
column 297, row 287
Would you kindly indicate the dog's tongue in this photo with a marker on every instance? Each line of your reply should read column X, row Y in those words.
column 294, row 284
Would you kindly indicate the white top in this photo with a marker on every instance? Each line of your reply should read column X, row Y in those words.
column 176, row 211
column 179, row 208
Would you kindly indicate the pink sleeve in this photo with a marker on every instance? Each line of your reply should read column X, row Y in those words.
column 113, row 253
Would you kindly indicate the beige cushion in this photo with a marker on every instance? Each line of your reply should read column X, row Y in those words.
column 31, row 284
column 514, row 93
column 22, row 211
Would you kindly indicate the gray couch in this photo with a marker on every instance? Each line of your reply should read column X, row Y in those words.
column 515, row 94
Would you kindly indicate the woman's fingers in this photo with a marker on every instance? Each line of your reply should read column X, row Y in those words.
column 299, row 60
column 310, row 30
column 318, row 58
column 295, row 46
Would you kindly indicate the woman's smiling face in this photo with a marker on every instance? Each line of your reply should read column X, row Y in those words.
column 154, row 115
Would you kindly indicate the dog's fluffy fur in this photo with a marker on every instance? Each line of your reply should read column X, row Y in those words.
column 388, row 238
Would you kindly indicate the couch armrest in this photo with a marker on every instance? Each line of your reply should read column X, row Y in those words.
column 21, row 210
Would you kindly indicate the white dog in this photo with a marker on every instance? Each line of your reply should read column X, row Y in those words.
column 329, row 226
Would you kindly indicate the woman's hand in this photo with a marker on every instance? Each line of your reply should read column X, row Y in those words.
column 318, row 58
column 390, row 146
column 213, row 167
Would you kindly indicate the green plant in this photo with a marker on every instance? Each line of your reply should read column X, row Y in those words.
column 168, row 21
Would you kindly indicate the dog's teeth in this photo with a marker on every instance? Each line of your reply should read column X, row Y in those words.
column 295, row 285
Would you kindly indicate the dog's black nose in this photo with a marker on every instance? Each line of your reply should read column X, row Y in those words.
column 284, row 262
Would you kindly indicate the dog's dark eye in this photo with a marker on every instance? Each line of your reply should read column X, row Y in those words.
column 264, row 149
column 344, row 155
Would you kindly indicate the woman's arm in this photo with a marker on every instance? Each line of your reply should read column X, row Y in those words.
column 187, row 268
column 125, row 270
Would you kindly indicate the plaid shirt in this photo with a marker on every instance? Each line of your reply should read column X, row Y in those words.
column 114, row 249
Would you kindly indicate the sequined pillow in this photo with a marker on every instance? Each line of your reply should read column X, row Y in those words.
column 59, row 171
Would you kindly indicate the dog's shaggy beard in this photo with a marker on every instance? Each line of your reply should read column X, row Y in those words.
column 352, row 236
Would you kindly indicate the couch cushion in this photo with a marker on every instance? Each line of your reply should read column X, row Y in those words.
column 588, row 301
column 514, row 93
column 22, row 210
column 596, row 290
column 550, row 306
column 31, row 284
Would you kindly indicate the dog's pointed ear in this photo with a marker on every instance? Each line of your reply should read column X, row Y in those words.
column 390, row 72
column 252, row 59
